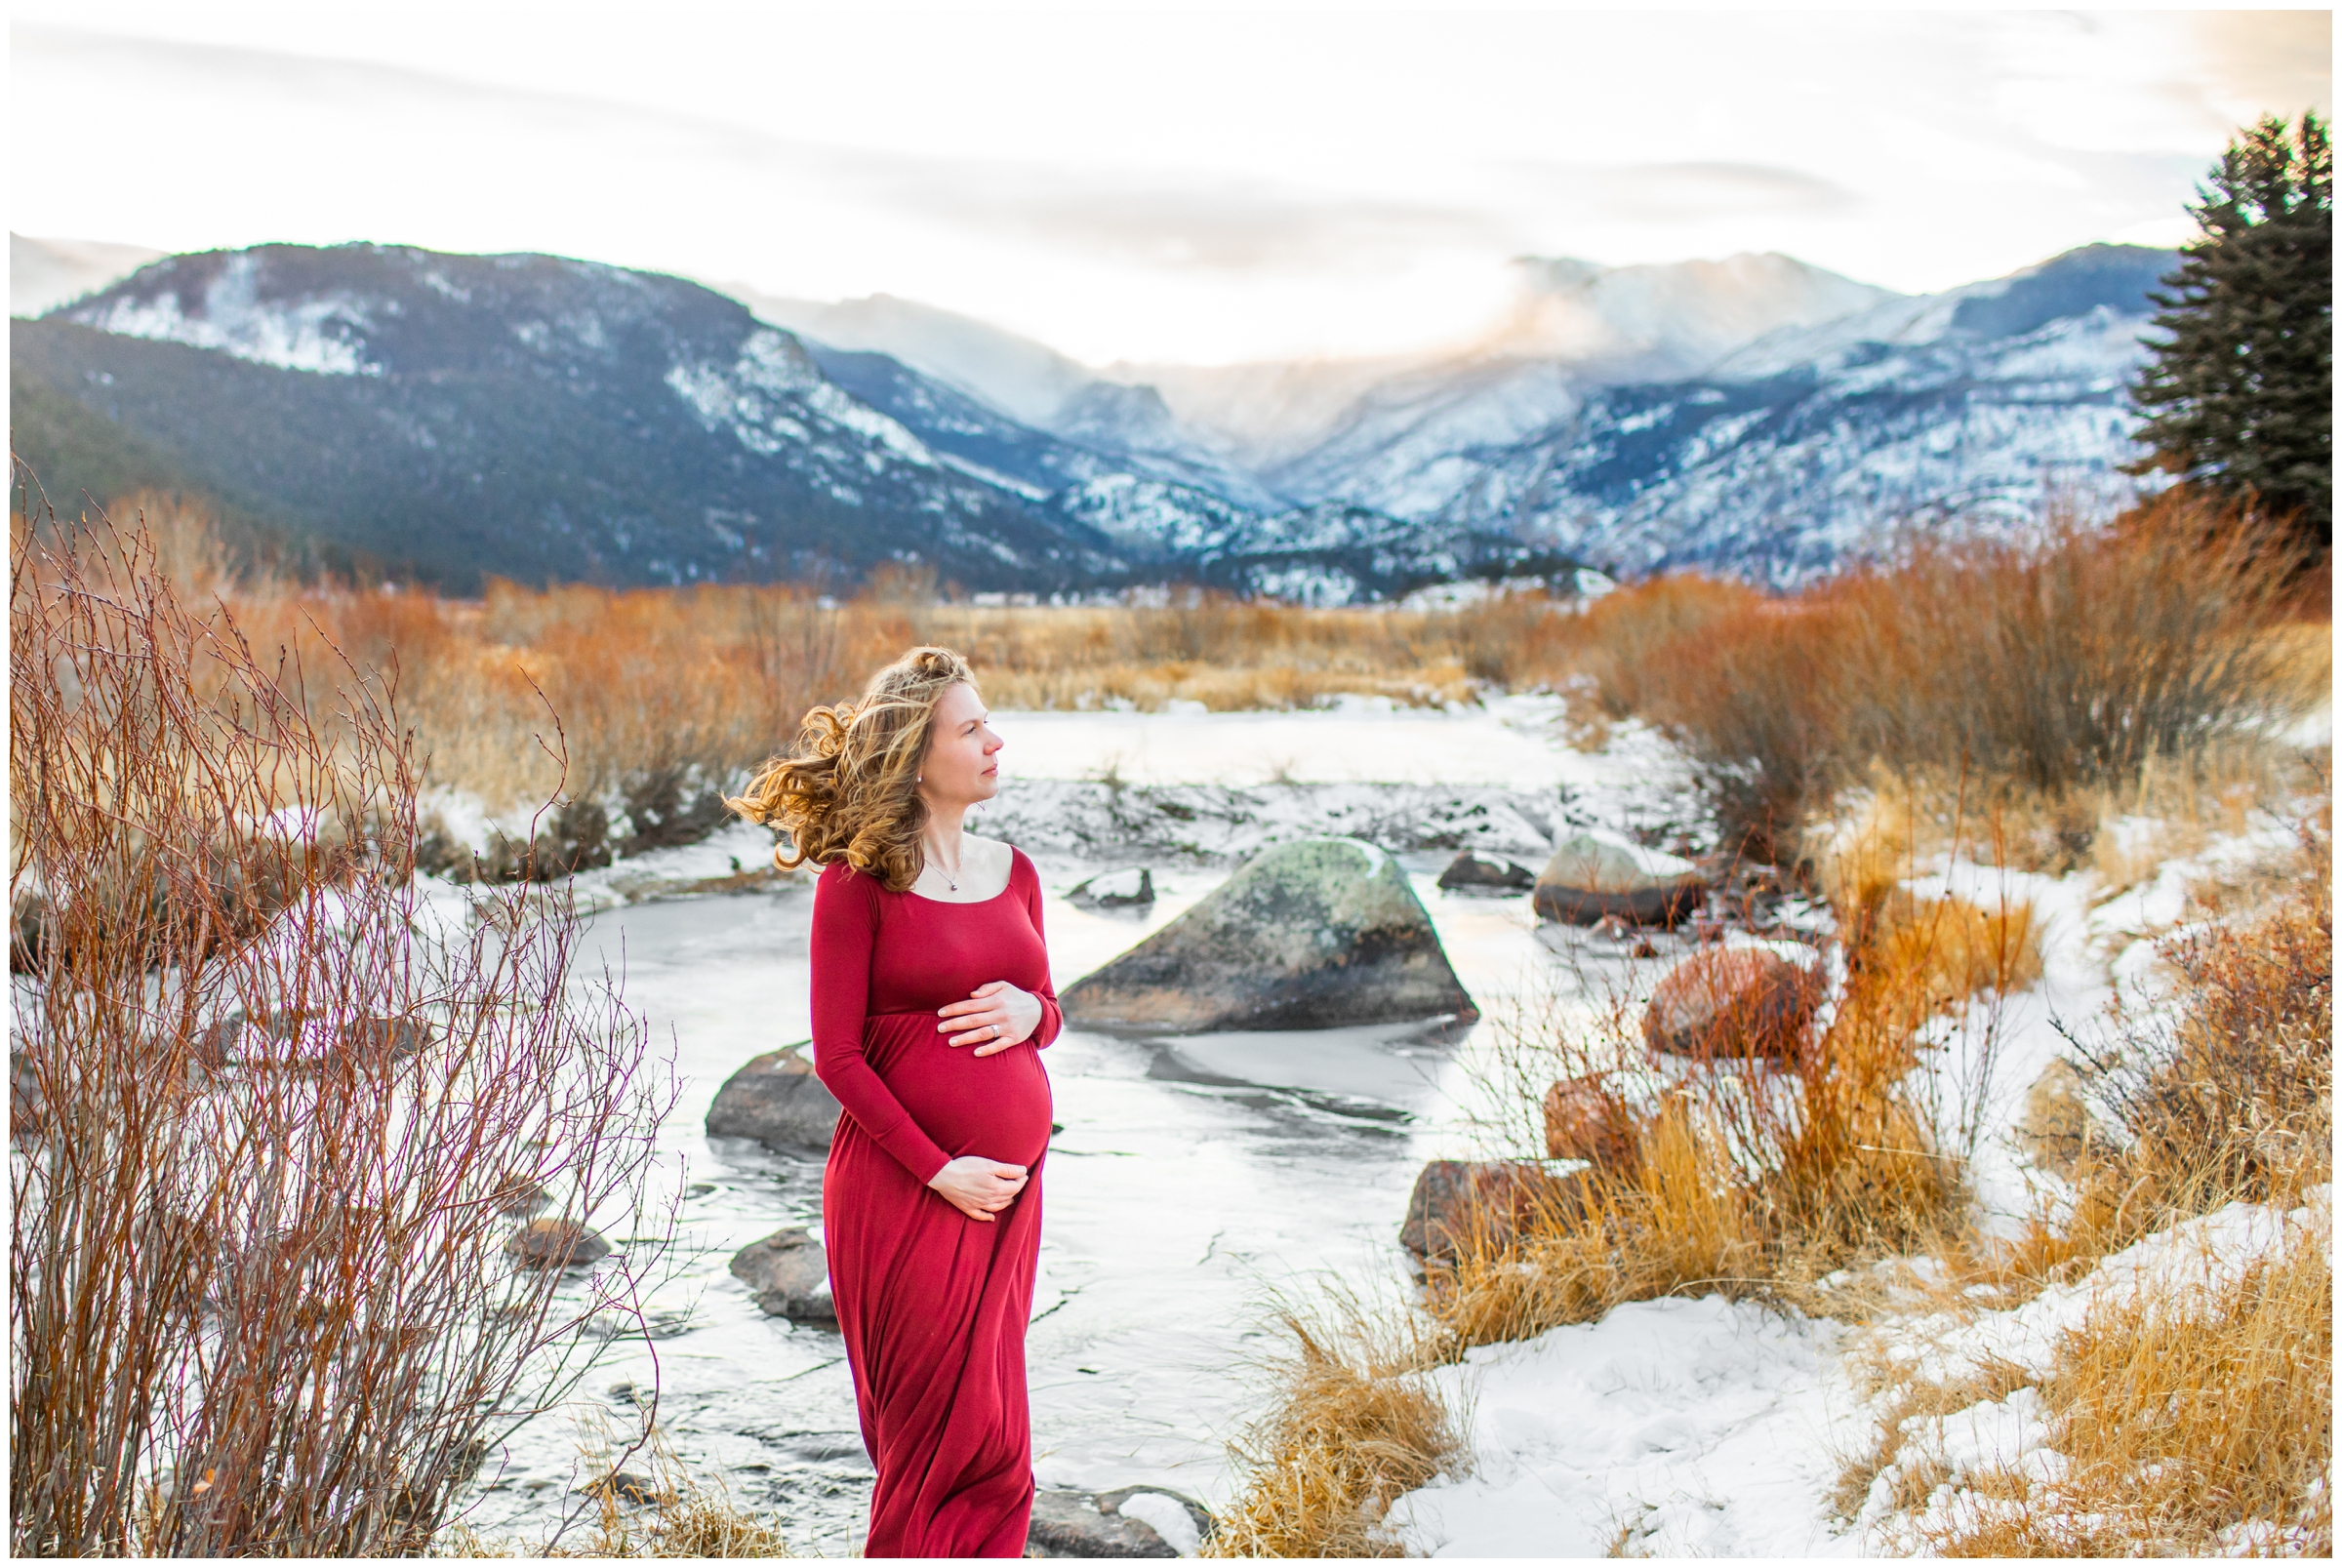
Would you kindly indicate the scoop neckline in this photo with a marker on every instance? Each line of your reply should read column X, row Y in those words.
column 964, row 904
column 973, row 903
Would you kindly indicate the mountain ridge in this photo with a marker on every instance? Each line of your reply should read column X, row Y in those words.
column 621, row 425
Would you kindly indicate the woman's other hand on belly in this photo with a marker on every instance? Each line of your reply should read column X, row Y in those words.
column 978, row 1188
column 995, row 1015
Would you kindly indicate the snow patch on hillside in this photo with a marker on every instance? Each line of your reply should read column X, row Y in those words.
column 772, row 382
column 323, row 335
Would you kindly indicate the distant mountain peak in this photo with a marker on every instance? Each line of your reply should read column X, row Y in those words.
column 1654, row 320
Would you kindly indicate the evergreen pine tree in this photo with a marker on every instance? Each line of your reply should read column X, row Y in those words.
column 2239, row 398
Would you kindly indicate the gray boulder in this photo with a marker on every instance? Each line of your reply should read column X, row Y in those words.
column 1110, row 1524
column 1591, row 878
column 777, row 1101
column 1477, row 873
column 1310, row 935
column 788, row 1273
column 1132, row 887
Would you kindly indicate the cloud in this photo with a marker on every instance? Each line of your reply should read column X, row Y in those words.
column 1182, row 225
column 1681, row 191
column 1143, row 218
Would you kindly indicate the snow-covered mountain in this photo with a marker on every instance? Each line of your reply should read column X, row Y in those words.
column 1571, row 323
column 1028, row 381
column 1791, row 452
column 536, row 417
column 1657, row 322
column 456, row 417
column 525, row 416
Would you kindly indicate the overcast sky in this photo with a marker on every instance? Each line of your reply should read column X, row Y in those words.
column 1201, row 186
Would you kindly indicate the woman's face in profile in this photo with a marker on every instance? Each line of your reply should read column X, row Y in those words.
column 962, row 763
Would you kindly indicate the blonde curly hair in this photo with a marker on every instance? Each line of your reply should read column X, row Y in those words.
column 852, row 793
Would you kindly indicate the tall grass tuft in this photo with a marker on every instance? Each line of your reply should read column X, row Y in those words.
column 2191, row 1422
column 271, row 1119
column 1354, row 1425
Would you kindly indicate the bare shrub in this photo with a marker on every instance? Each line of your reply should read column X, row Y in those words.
column 2054, row 663
column 2242, row 1105
column 274, row 1111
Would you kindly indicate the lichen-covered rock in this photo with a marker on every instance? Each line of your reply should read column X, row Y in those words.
column 1129, row 1521
column 1748, row 1002
column 788, row 1273
column 1480, row 1206
column 1590, row 877
column 1129, row 888
column 1477, row 873
column 776, row 1099
column 1315, row 933
column 1585, row 1121
column 556, row 1244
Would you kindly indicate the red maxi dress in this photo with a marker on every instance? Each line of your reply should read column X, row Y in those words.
column 933, row 1304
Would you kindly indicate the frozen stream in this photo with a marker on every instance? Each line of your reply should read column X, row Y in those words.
column 1194, row 1178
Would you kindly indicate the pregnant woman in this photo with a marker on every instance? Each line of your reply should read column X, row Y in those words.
column 931, row 1004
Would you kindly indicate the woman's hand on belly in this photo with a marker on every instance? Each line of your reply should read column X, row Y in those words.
column 978, row 1188
column 995, row 1015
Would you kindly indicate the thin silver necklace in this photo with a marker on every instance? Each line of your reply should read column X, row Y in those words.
column 950, row 876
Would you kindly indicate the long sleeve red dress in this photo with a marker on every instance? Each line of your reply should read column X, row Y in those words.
column 932, row 1303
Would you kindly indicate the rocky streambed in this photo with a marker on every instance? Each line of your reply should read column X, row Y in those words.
column 1197, row 1175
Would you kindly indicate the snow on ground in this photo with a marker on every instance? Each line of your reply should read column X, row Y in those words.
column 1717, row 1428
column 1675, row 1427
column 1711, row 1428
column 1506, row 740
column 1687, row 1427
column 2193, row 1261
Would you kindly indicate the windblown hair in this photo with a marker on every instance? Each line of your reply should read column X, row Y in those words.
column 852, row 791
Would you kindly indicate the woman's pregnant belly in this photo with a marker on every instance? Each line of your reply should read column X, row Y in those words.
column 996, row 1107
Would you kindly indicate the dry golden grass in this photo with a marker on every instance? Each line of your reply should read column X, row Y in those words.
column 1997, row 1380
column 590, row 692
column 670, row 1513
column 1756, row 1180
column 1353, row 1424
column 1222, row 690
column 2192, row 1425
column 2065, row 667
column 2239, row 1108
column 1747, row 1192
column 2183, row 1416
